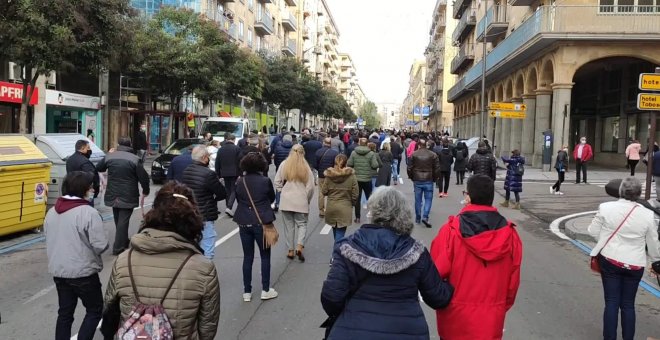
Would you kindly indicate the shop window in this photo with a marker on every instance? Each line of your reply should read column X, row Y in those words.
column 610, row 139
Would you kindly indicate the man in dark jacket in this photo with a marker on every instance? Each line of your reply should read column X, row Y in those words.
column 179, row 164
column 208, row 191
column 325, row 158
column 483, row 162
column 397, row 151
column 226, row 166
column 141, row 142
column 282, row 150
column 311, row 146
column 423, row 170
column 125, row 172
column 79, row 161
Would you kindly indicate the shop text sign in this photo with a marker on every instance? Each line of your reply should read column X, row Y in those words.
column 13, row 93
column 649, row 82
column 507, row 114
column 61, row 98
column 648, row 101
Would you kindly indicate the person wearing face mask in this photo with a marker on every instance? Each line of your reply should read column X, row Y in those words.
column 207, row 191
column 79, row 161
column 141, row 142
column 582, row 153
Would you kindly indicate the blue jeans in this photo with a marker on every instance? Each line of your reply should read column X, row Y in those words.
column 277, row 198
column 425, row 189
column 620, row 288
column 208, row 239
column 88, row 290
column 251, row 234
column 395, row 172
column 338, row 233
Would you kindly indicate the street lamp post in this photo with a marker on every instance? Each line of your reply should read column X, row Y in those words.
column 483, row 75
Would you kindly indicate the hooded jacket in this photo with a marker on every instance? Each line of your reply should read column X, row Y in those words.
column 125, row 173
column 373, row 285
column 483, row 163
column 461, row 156
column 385, row 170
column 364, row 161
column 75, row 238
column 282, row 151
column 480, row 253
column 341, row 188
column 193, row 303
column 446, row 157
column 513, row 181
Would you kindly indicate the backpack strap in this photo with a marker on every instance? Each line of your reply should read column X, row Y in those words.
column 130, row 275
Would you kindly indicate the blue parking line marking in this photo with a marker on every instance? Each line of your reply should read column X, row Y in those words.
column 23, row 244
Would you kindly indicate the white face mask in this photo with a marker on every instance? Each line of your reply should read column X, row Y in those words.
column 584, row 141
column 90, row 195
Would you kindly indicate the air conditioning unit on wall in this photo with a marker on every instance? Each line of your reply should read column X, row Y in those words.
column 15, row 72
column 51, row 80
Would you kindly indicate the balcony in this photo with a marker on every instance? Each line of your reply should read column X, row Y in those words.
column 465, row 25
column 263, row 25
column 305, row 34
column 459, row 7
column 327, row 44
column 464, row 57
column 558, row 24
column 498, row 23
column 289, row 22
column 266, row 1
column 290, row 48
column 521, row 2
column 292, row 3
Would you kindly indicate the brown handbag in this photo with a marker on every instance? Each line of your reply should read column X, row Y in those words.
column 595, row 266
column 270, row 233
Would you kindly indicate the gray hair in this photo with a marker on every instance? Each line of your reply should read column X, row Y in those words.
column 199, row 152
column 287, row 138
column 390, row 209
column 630, row 189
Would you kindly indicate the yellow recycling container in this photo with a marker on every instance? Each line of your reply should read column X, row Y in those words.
column 24, row 177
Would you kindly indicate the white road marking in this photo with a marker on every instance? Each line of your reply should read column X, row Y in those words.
column 326, row 229
column 554, row 226
column 39, row 294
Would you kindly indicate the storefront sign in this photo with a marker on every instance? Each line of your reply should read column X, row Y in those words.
column 60, row 98
column 649, row 82
column 648, row 101
column 507, row 114
column 13, row 93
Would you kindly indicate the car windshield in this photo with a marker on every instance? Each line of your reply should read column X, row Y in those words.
column 218, row 129
column 177, row 147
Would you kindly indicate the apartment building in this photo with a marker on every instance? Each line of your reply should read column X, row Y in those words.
column 412, row 108
column 349, row 87
column 321, row 43
column 575, row 66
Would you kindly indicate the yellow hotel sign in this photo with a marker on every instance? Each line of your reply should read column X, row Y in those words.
column 649, row 82
column 648, row 101
column 507, row 114
column 507, row 106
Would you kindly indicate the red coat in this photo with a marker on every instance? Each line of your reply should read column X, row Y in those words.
column 587, row 153
column 480, row 253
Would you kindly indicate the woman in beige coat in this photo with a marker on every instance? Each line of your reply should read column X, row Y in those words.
column 341, row 188
column 171, row 233
column 295, row 180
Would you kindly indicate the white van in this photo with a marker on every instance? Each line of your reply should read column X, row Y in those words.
column 218, row 126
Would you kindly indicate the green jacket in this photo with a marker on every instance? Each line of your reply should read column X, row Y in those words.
column 365, row 162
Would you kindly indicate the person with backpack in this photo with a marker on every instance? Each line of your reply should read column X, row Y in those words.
column 460, row 161
column 513, row 183
column 164, row 285
column 446, row 157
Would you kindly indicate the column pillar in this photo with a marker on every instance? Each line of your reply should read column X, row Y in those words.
column 516, row 130
column 561, row 115
column 473, row 119
column 505, row 137
column 489, row 127
column 541, row 123
column 527, row 136
column 40, row 109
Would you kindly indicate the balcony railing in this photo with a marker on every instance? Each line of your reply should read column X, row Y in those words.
column 289, row 48
column 459, row 7
column 263, row 25
column 465, row 25
column 292, row 3
column 464, row 57
column 495, row 22
column 289, row 22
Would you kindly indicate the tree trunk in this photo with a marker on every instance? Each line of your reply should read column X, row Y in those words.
column 28, row 90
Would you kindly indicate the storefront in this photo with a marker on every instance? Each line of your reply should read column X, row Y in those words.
column 11, row 96
column 74, row 113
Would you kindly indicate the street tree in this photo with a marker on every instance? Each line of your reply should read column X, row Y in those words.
column 369, row 112
column 245, row 75
column 313, row 98
column 43, row 36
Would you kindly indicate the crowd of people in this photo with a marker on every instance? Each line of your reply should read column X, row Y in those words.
column 470, row 275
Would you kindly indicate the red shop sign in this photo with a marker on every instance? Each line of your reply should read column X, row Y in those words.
column 13, row 93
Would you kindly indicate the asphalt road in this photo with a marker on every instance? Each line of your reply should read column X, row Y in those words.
column 559, row 298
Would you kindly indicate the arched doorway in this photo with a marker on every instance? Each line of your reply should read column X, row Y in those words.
column 604, row 106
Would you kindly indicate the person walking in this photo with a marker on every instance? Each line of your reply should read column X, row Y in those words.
column 311, row 146
column 412, row 146
column 561, row 164
column 582, row 153
column 624, row 230
column 125, row 173
column 281, row 153
column 226, row 167
column 364, row 162
column 295, row 181
column 385, row 170
column 397, row 151
column 207, row 190
column 254, row 195
column 424, row 171
column 337, row 144
column 633, row 156
column 168, row 241
column 480, row 253
column 513, row 182
column 179, row 164
column 483, row 162
column 446, row 158
column 75, row 240
column 341, row 188
column 325, row 158
column 79, row 161
column 461, row 154
column 141, row 145
column 212, row 148
column 377, row 276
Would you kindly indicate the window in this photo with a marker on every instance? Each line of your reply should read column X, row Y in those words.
column 259, row 43
column 241, row 29
column 251, row 5
column 249, row 37
column 629, row 6
column 610, row 142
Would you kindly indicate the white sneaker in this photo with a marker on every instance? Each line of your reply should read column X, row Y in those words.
column 270, row 294
column 229, row 212
column 247, row 297
column 552, row 191
column 559, row 193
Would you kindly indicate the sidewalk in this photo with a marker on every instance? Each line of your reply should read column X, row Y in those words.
column 596, row 175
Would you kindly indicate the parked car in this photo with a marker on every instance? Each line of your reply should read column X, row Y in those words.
column 162, row 163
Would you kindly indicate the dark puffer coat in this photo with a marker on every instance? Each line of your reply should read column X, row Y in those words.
column 373, row 284
column 461, row 155
column 385, row 171
column 206, row 187
column 125, row 173
column 325, row 159
column 513, row 180
column 282, row 152
column 445, row 156
column 483, row 163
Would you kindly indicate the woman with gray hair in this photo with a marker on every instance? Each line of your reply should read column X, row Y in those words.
column 371, row 291
column 623, row 229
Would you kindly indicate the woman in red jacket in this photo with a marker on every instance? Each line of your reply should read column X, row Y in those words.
column 480, row 253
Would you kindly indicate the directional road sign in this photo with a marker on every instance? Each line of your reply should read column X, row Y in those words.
column 649, row 82
column 507, row 114
column 507, row 106
column 648, row 101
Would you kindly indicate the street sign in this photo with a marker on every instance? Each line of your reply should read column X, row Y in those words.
column 507, row 106
column 649, row 81
column 507, row 114
column 648, row 101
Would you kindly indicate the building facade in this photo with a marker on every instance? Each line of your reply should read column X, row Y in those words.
column 575, row 66
column 417, row 98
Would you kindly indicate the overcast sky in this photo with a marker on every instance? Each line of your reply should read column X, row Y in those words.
column 383, row 37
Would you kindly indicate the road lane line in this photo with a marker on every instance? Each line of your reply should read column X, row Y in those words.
column 226, row 237
column 39, row 294
column 326, row 229
column 554, row 226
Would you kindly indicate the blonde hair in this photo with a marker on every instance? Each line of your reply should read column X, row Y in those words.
column 340, row 161
column 295, row 168
column 372, row 146
column 386, row 147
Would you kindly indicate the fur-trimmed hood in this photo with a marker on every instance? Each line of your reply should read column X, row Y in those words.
column 338, row 175
column 380, row 250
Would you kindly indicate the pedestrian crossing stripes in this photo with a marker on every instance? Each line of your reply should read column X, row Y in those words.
column 653, row 193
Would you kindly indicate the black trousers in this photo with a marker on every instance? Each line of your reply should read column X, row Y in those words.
column 122, row 218
column 443, row 181
column 367, row 188
column 560, row 179
column 230, row 185
column 460, row 176
column 88, row 290
column 580, row 166
column 398, row 167
column 632, row 164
